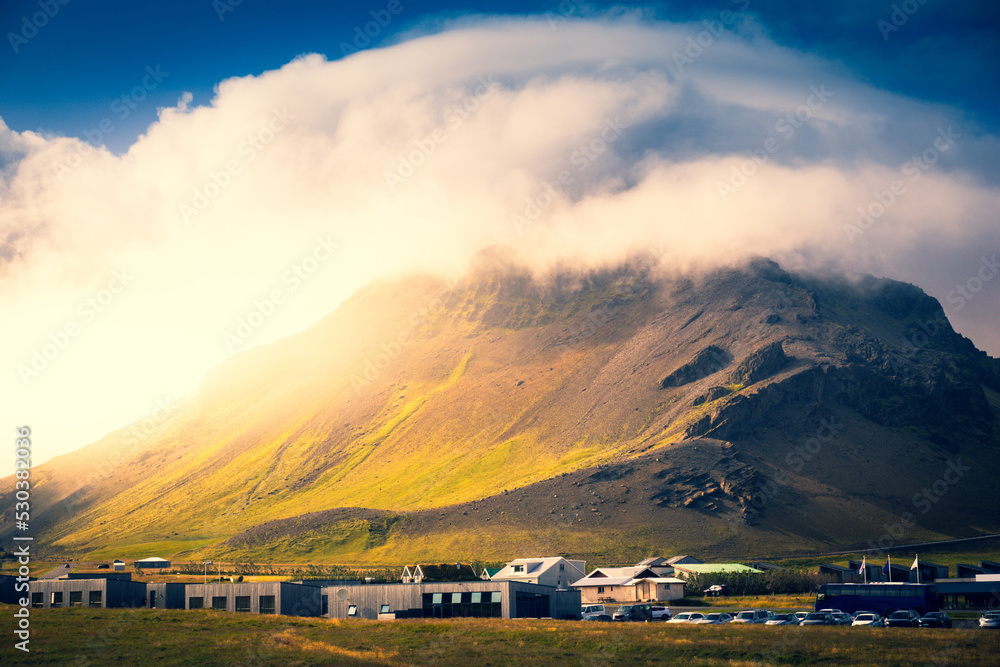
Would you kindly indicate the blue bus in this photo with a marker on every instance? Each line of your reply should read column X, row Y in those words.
column 883, row 598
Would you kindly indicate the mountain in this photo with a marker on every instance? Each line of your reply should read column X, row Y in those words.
column 607, row 413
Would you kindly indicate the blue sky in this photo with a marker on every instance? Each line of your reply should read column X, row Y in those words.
column 165, row 171
column 65, row 78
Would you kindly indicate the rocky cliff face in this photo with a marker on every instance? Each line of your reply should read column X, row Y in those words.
column 420, row 396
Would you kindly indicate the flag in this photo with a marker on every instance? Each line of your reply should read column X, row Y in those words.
column 887, row 570
column 916, row 563
column 861, row 570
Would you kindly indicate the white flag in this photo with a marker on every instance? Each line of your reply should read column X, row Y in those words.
column 916, row 563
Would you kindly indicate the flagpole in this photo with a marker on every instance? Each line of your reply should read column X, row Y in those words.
column 888, row 561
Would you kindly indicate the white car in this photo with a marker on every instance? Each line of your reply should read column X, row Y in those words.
column 661, row 613
column 990, row 619
column 687, row 617
column 714, row 619
column 589, row 610
column 868, row 620
column 754, row 616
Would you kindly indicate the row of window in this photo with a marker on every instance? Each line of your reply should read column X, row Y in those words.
column 95, row 599
column 884, row 591
column 479, row 604
column 242, row 603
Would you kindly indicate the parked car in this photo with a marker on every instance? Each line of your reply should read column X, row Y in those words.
column 782, row 619
column 818, row 618
column 687, row 617
column 103, row 566
column 800, row 616
column 592, row 610
column 634, row 612
column 870, row 620
column 904, row 618
column 832, row 611
column 990, row 619
column 717, row 590
column 714, row 619
column 752, row 616
column 602, row 618
column 840, row 618
column 865, row 611
column 660, row 613
column 935, row 619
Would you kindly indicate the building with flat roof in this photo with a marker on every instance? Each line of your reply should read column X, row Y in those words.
column 262, row 597
column 105, row 593
column 470, row 599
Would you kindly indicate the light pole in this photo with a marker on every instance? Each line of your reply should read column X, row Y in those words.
column 206, row 563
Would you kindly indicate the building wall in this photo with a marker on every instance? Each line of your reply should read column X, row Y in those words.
column 369, row 598
column 114, row 594
column 289, row 599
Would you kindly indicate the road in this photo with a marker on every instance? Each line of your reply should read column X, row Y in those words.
column 60, row 571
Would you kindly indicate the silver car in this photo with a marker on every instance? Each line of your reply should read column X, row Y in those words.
column 714, row 619
column 868, row 620
column 687, row 617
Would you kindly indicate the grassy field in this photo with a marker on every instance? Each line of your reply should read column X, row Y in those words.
column 106, row 637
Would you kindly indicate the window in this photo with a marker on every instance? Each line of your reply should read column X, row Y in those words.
column 518, row 568
column 96, row 599
column 76, row 598
column 600, row 589
column 470, row 605
column 196, row 603
column 266, row 604
column 37, row 600
column 57, row 599
column 220, row 602
column 352, row 611
column 384, row 609
column 325, row 601
column 243, row 603
column 562, row 567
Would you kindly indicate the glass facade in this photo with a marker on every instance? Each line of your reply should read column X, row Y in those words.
column 488, row 604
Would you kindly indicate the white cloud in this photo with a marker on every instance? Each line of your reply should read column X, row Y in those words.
column 418, row 155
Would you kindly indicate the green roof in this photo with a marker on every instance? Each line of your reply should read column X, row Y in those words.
column 715, row 568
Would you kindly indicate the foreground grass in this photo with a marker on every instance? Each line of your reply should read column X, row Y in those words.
column 106, row 637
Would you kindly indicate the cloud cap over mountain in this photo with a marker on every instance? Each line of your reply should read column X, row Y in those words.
column 571, row 141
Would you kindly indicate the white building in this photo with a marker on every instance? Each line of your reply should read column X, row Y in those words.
column 552, row 571
column 628, row 584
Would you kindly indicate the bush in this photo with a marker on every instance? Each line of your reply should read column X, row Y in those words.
column 781, row 582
